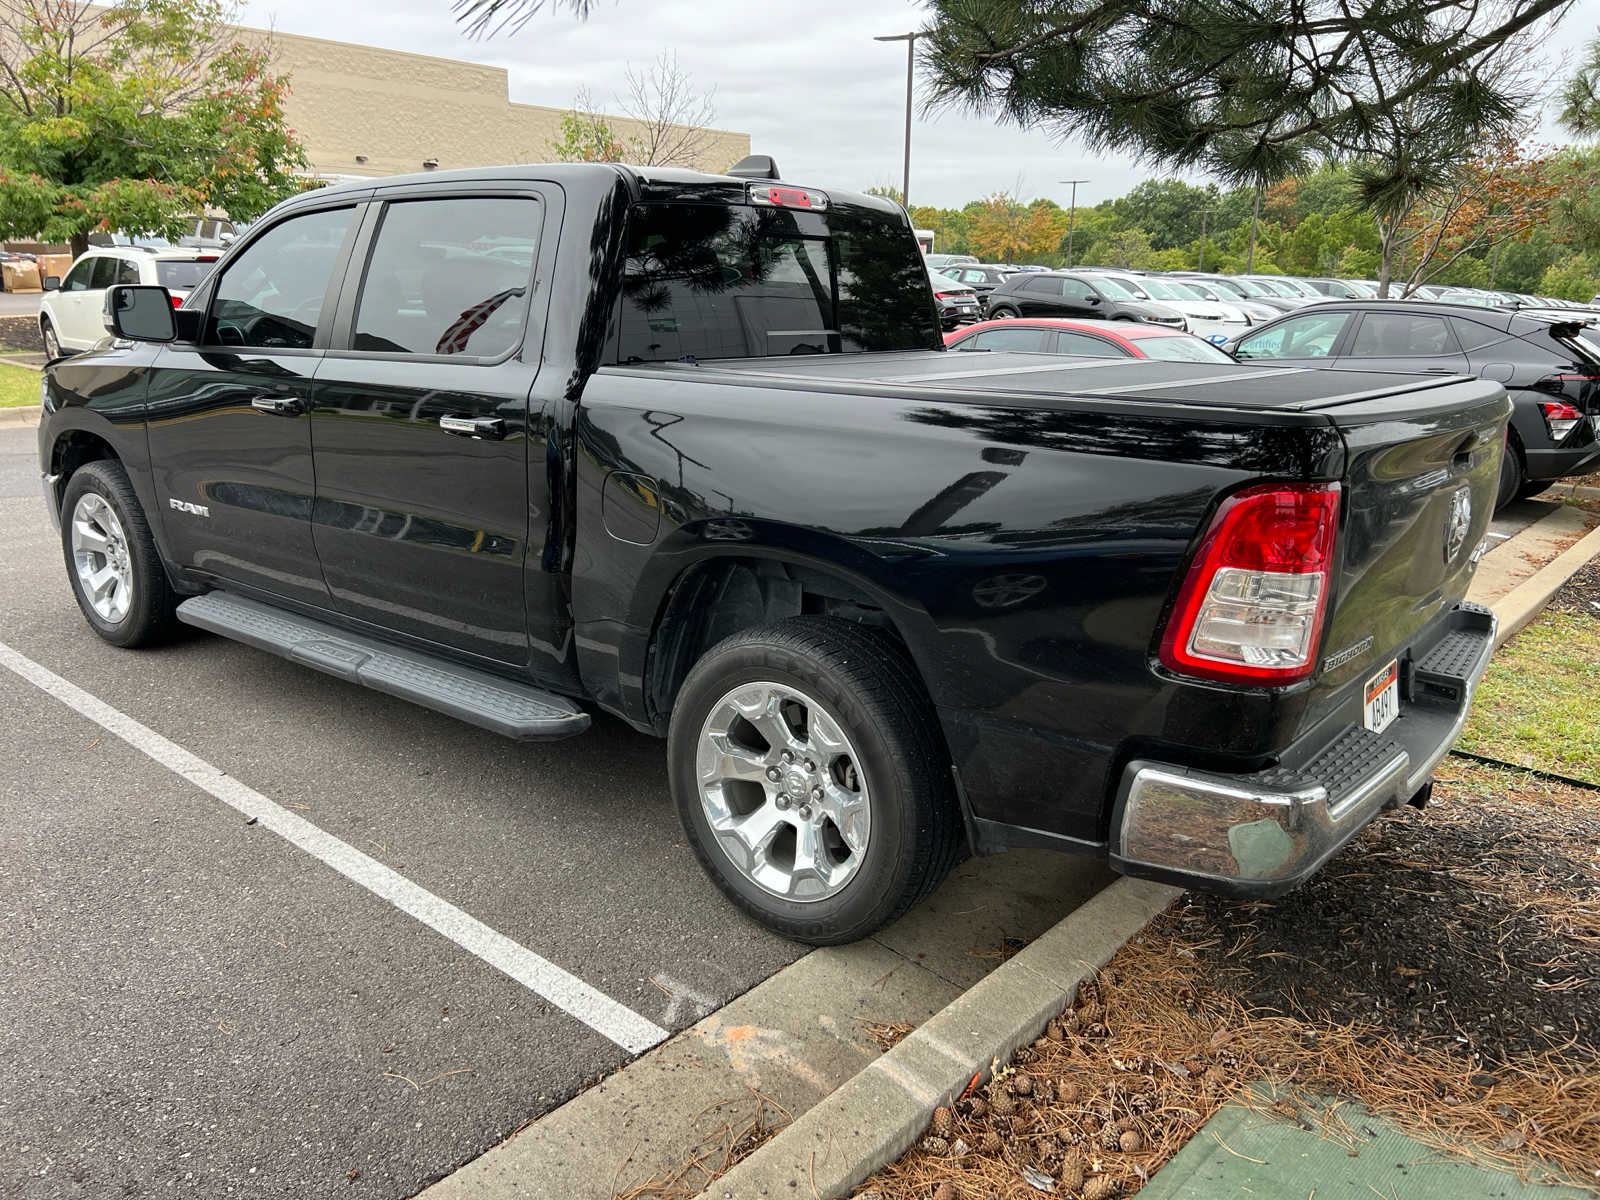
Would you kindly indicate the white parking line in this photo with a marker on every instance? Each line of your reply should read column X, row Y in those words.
column 566, row 991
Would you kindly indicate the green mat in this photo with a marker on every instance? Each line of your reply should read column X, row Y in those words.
column 1294, row 1162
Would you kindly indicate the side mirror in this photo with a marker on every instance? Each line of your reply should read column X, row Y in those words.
column 1091, row 299
column 51, row 283
column 140, row 314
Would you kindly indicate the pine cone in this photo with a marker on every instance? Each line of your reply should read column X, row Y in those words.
column 1090, row 1012
column 1067, row 1091
column 935, row 1146
column 989, row 1143
column 945, row 1191
column 1101, row 1187
column 1071, row 1176
column 1022, row 1085
column 1110, row 1137
column 1056, row 1031
column 1044, row 1091
column 977, row 1107
column 1022, row 1152
column 1214, row 1079
column 1131, row 1141
column 944, row 1122
column 1000, row 1102
column 1071, row 1021
column 1123, row 1124
column 1048, row 1149
column 1091, row 1124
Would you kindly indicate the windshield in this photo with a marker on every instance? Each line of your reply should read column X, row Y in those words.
column 1242, row 287
column 708, row 281
column 1181, row 349
column 1161, row 289
column 1273, row 287
column 1114, row 288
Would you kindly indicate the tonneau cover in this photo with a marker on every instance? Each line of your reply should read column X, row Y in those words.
column 1230, row 385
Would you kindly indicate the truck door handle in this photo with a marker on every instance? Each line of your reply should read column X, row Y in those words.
column 278, row 406
column 478, row 427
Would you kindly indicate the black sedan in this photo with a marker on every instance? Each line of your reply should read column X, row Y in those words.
column 1086, row 297
column 1551, row 371
column 982, row 278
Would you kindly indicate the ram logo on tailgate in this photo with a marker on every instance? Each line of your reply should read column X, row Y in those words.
column 1459, row 521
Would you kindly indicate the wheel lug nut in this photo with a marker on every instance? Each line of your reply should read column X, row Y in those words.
column 811, row 766
column 816, row 793
column 774, row 774
column 782, row 802
column 788, row 756
column 805, row 812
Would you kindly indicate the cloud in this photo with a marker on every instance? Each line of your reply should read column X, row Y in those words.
column 807, row 83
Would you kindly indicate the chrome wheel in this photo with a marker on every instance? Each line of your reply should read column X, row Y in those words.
column 100, row 557
column 52, row 344
column 782, row 791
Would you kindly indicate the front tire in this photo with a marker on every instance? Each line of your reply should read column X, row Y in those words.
column 111, row 557
column 811, row 778
column 52, row 343
column 1001, row 313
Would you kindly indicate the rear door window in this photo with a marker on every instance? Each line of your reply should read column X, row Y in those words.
column 1402, row 335
column 127, row 271
column 271, row 297
column 450, row 277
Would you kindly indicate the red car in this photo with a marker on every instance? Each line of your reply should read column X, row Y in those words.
column 1098, row 339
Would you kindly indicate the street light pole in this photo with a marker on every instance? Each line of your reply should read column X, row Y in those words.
column 910, row 39
column 1072, row 213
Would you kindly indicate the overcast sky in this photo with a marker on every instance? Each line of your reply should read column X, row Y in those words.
column 805, row 80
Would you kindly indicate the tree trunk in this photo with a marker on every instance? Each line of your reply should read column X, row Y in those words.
column 1255, row 215
column 79, row 244
column 1386, row 262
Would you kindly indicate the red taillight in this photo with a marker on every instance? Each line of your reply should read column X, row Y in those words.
column 945, row 295
column 1561, row 417
column 205, row 258
column 1251, row 607
column 177, row 301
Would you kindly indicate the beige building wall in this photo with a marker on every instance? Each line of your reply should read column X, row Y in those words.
column 360, row 110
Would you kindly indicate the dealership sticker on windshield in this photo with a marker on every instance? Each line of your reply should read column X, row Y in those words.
column 1381, row 698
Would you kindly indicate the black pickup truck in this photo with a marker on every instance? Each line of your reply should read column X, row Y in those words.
column 523, row 442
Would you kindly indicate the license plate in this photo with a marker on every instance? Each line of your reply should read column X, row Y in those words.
column 1381, row 699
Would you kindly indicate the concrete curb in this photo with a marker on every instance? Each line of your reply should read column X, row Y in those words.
column 876, row 1116
column 25, row 417
column 1526, row 601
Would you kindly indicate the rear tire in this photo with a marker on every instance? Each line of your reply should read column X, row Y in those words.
column 1002, row 313
column 1534, row 487
column 860, row 823
column 112, row 563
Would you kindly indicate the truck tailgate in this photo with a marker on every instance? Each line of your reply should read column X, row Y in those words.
column 1420, row 481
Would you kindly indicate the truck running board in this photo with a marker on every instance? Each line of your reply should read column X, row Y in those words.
column 512, row 709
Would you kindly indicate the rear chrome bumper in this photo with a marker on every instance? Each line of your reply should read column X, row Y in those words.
column 1264, row 833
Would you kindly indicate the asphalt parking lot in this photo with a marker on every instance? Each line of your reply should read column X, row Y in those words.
column 196, row 1005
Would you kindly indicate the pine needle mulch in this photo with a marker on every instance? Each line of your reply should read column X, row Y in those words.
column 1444, row 970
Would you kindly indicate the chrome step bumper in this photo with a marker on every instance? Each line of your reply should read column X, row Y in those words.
column 1265, row 832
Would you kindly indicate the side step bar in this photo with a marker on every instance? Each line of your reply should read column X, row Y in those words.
column 512, row 709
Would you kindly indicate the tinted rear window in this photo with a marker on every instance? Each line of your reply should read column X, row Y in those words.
column 180, row 275
column 735, row 281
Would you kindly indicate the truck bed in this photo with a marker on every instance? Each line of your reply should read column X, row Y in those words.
column 1018, row 374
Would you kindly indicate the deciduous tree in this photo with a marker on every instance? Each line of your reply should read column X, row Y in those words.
column 136, row 117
